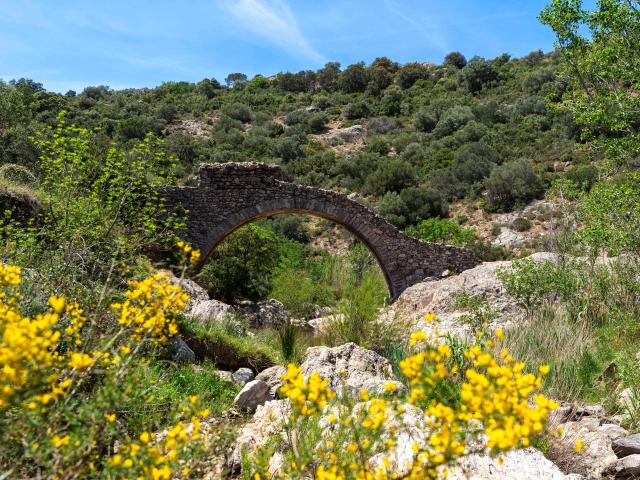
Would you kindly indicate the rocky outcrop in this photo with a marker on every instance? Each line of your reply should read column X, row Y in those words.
column 196, row 293
column 524, row 464
column 267, row 422
column 441, row 296
column 349, row 366
column 595, row 431
column 347, row 134
column 624, row 468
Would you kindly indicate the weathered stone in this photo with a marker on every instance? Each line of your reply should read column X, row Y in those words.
column 349, row 366
column 243, row 376
column 179, row 351
column 232, row 194
column 348, row 134
column 509, row 238
column 596, row 437
column 254, row 393
column 440, row 295
column 523, row 464
column 627, row 467
column 208, row 311
column 267, row 422
column 625, row 446
column 196, row 293
column 273, row 377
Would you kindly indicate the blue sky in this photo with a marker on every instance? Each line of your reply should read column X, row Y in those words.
column 69, row 44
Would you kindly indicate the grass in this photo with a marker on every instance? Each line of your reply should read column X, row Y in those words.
column 229, row 349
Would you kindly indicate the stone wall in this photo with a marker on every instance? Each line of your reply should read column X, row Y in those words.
column 230, row 195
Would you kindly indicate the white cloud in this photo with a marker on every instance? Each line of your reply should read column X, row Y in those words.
column 426, row 26
column 274, row 21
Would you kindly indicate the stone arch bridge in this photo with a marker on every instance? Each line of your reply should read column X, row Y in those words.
column 230, row 195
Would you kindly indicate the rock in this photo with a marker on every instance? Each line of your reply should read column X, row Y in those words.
column 273, row 377
column 268, row 313
column 208, row 311
column 596, row 435
column 179, row 351
column 627, row 467
column 321, row 324
column 509, row 239
column 626, row 400
column 311, row 109
column 349, row 366
column 348, row 134
column 267, row 422
column 626, row 446
column 243, row 376
column 196, row 293
column 253, row 394
column 524, row 464
column 225, row 375
column 439, row 295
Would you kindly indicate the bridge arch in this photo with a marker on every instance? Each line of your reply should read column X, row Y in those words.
column 231, row 195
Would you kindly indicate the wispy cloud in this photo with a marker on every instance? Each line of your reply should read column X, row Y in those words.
column 427, row 27
column 274, row 21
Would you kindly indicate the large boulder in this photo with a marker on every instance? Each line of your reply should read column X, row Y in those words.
column 196, row 293
column 209, row 311
column 627, row 468
column 252, row 395
column 349, row 366
column 440, row 296
column 348, row 134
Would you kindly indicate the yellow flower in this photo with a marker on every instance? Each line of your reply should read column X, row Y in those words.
column 579, row 445
column 390, row 387
column 430, row 317
column 417, row 337
column 544, row 369
column 60, row 441
column 111, row 417
column 145, row 437
column 56, row 303
column 499, row 334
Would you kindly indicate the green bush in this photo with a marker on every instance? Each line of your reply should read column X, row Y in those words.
column 443, row 230
column 479, row 73
column 392, row 175
column 355, row 110
column 512, row 183
column 424, row 121
column 453, row 120
column 238, row 111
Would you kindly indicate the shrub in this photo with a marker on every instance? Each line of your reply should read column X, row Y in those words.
column 238, row 111
column 443, row 230
column 393, row 208
column 355, row 110
column 584, row 176
column 296, row 117
column 521, row 224
column 379, row 145
column 479, row 73
column 382, row 125
column 76, row 394
column 317, row 122
column 453, row 119
column 391, row 101
column 512, row 183
column 410, row 73
column 354, row 78
column 391, row 175
column 455, row 59
column 424, row 121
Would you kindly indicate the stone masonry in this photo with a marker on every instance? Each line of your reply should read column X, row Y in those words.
column 230, row 195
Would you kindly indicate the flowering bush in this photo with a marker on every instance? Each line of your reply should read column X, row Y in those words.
column 65, row 404
column 492, row 407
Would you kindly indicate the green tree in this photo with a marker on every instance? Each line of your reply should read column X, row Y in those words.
column 600, row 53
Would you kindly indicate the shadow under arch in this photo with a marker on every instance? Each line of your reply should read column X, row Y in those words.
column 231, row 195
